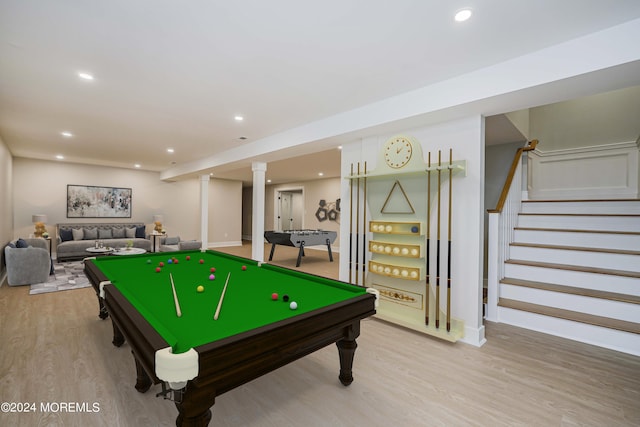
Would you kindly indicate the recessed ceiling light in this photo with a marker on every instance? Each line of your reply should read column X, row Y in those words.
column 66, row 134
column 320, row 174
column 170, row 150
column 85, row 76
column 239, row 118
column 339, row 147
column 137, row 165
column 60, row 157
column 269, row 180
column 462, row 15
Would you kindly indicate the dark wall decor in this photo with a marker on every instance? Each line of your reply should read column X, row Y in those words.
column 328, row 210
column 87, row 201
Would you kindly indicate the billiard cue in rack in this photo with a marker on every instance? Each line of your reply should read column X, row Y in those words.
column 449, row 243
column 175, row 297
column 350, row 223
column 357, row 266
column 438, row 247
column 224, row 290
column 364, row 224
column 428, row 286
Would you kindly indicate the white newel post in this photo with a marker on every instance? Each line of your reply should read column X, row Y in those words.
column 257, row 227
column 204, row 211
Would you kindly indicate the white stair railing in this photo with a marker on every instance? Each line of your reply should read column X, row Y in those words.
column 502, row 220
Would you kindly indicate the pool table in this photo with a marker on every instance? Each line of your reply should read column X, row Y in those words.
column 256, row 332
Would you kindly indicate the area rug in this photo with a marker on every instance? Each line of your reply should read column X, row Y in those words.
column 66, row 276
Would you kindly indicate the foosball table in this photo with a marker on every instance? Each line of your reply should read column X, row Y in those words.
column 300, row 239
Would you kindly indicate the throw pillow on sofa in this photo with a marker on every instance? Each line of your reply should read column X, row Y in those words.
column 78, row 233
column 118, row 233
column 66, row 235
column 130, row 233
column 90, row 233
column 104, row 233
column 140, row 232
column 21, row 243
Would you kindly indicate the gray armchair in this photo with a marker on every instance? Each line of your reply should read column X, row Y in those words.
column 28, row 265
column 172, row 244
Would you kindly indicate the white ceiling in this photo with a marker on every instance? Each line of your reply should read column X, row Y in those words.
column 174, row 74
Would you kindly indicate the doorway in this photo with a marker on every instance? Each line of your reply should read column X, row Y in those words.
column 290, row 210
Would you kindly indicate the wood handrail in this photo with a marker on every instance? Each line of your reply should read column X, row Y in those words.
column 531, row 145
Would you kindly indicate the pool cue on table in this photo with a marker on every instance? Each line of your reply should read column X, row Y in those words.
column 438, row 249
column 215, row 316
column 175, row 297
column 364, row 224
column 358, row 224
column 449, row 244
column 428, row 286
column 351, row 223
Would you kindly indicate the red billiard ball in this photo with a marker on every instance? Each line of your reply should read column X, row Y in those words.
column 213, row 269
column 274, row 296
column 158, row 269
column 188, row 258
column 161, row 264
column 201, row 261
column 175, row 261
column 244, row 267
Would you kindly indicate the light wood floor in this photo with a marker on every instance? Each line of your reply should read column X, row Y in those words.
column 53, row 348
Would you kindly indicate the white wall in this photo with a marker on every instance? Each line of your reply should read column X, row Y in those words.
column 40, row 187
column 6, row 202
column 466, row 138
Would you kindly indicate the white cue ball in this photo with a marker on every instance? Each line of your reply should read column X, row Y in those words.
column 387, row 270
column 405, row 251
column 414, row 274
column 388, row 228
column 396, row 272
column 387, row 249
column 414, row 251
column 404, row 273
column 293, row 305
column 396, row 250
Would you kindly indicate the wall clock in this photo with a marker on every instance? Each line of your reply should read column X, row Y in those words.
column 397, row 152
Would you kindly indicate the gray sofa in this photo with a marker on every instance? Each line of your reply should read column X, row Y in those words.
column 172, row 244
column 27, row 265
column 73, row 240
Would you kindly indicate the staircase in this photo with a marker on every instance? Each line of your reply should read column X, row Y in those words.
column 574, row 271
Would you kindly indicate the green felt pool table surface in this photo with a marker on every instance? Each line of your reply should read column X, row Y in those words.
column 247, row 303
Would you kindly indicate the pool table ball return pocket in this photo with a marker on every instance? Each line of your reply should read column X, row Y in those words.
column 254, row 335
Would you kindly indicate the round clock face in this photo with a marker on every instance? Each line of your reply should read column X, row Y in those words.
column 397, row 152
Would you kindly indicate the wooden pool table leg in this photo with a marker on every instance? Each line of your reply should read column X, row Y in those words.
column 347, row 350
column 143, row 382
column 118, row 338
column 195, row 406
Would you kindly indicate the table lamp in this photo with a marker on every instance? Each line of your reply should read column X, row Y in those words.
column 157, row 220
column 39, row 220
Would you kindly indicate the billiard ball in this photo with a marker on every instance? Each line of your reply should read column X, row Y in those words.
column 161, row 264
column 244, row 267
column 404, row 273
column 414, row 252
column 395, row 271
column 405, row 251
column 188, row 258
column 414, row 274
column 213, row 269
column 374, row 227
column 396, row 250
column 293, row 305
column 212, row 277
column 388, row 228
column 148, row 261
column 285, row 298
column 374, row 248
column 158, row 269
column 387, row 249
column 274, row 296
column 201, row 261
column 170, row 261
column 414, row 229
column 175, row 261
column 387, row 270
column 200, row 288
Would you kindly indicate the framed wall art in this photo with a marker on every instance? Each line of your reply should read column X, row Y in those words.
column 87, row 201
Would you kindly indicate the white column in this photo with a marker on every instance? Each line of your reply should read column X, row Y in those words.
column 257, row 224
column 204, row 210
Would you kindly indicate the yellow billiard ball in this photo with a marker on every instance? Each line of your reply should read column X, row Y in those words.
column 200, row 288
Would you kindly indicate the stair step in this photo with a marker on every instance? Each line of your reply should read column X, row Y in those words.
column 621, row 273
column 627, row 240
column 614, row 222
column 583, row 206
column 593, row 293
column 577, row 248
column 576, row 316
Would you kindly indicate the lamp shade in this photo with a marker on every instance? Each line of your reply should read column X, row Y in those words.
column 39, row 218
column 157, row 218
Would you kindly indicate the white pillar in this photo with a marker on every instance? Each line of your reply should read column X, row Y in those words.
column 257, row 224
column 204, row 211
